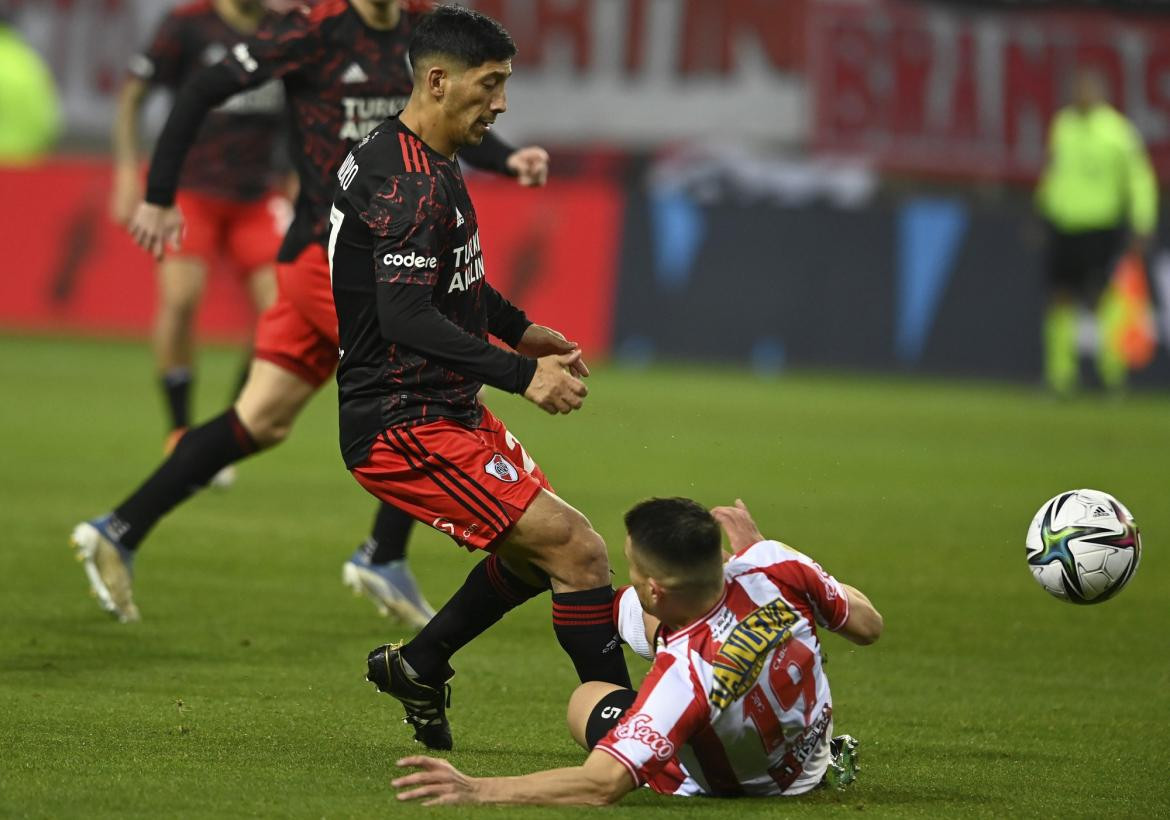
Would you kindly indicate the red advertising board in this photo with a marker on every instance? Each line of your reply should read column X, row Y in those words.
column 67, row 267
column 554, row 252
column 924, row 88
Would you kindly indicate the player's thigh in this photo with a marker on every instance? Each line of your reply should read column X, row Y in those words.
column 181, row 280
column 595, row 707
column 261, row 286
column 252, row 243
column 270, row 401
column 558, row 539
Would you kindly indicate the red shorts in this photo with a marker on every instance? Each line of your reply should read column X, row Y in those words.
column 299, row 332
column 471, row 484
column 247, row 234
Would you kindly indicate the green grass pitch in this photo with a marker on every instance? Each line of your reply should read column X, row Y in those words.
column 241, row 692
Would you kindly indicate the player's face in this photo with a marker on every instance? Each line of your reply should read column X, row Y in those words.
column 1088, row 89
column 475, row 98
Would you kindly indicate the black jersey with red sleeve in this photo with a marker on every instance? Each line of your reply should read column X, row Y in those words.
column 233, row 151
column 413, row 307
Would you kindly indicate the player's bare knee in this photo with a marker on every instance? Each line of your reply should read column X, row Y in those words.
column 179, row 310
column 268, row 426
column 581, row 703
column 585, row 559
column 268, row 431
column 562, row 543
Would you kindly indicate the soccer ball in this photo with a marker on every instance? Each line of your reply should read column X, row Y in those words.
column 1083, row 546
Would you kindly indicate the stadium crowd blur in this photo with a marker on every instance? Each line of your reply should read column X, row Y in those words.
column 821, row 183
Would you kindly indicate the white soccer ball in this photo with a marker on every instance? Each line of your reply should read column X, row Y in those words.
column 1083, row 546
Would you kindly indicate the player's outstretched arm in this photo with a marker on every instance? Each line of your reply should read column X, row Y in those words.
column 600, row 781
column 206, row 89
column 529, row 164
column 864, row 624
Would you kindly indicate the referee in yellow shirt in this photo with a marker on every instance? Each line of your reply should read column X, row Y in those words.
column 29, row 114
column 1099, row 196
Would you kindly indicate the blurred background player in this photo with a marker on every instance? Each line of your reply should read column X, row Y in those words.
column 737, row 702
column 343, row 66
column 30, row 116
column 414, row 310
column 230, row 212
column 1099, row 196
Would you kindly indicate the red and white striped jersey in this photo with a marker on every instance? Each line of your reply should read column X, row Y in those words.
column 738, row 703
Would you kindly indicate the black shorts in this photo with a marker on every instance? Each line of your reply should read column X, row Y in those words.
column 1081, row 263
column 606, row 714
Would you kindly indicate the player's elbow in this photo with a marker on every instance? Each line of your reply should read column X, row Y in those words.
column 609, row 791
column 605, row 780
column 864, row 624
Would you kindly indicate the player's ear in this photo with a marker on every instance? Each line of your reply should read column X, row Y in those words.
column 656, row 590
column 436, row 81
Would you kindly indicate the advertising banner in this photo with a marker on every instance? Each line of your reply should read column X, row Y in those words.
column 68, row 268
column 920, row 87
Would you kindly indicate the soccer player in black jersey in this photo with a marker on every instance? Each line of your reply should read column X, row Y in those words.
column 344, row 69
column 227, row 195
column 414, row 311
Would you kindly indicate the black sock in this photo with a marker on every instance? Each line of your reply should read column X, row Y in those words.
column 489, row 591
column 176, row 387
column 584, row 624
column 199, row 455
column 387, row 541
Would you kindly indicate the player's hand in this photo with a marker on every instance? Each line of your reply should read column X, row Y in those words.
column 154, row 228
column 738, row 524
column 539, row 340
column 530, row 165
column 437, row 782
column 125, row 194
column 554, row 388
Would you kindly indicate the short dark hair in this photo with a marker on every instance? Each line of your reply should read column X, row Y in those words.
column 467, row 35
column 675, row 533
